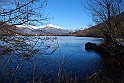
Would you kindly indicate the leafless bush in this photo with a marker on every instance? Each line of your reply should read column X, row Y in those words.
column 23, row 57
column 109, row 14
column 19, row 54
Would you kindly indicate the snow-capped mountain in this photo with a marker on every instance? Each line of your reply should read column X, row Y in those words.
column 79, row 29
column 47, row 29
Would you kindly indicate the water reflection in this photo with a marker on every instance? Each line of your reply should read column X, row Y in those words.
column 66, row 53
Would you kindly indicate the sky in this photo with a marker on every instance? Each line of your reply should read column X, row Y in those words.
column 68, row 14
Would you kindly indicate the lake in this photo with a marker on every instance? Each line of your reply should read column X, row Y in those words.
column 52, row 56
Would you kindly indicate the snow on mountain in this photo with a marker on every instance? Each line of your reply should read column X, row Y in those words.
column 39, row 27
column 78, row 29
column 29, row 26
column 47, row 29
column 50, row 25
column 24, row 29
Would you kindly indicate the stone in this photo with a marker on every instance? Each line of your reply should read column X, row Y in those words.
column 90, row 46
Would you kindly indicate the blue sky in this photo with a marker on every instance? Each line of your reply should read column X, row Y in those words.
column 68, row 14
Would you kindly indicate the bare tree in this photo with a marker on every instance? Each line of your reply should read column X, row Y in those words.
column 16, row 52
column 18, row 12
column 109, row 14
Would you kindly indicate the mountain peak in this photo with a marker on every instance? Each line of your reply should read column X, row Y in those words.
column 51, row 25
column 46, row 29
column 38, row 27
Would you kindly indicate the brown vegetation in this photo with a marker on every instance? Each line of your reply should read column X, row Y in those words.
column 6, row 29
column 96, row 31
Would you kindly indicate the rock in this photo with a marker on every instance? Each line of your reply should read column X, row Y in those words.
column 90, row 46
column 106, row 51
column 100, row 49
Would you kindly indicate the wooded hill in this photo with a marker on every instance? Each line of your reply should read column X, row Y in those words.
column 6, row 29
column 96, row 31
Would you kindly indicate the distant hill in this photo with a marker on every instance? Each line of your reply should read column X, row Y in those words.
column 95, row 31
column 42, row 30
column 6, row 29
